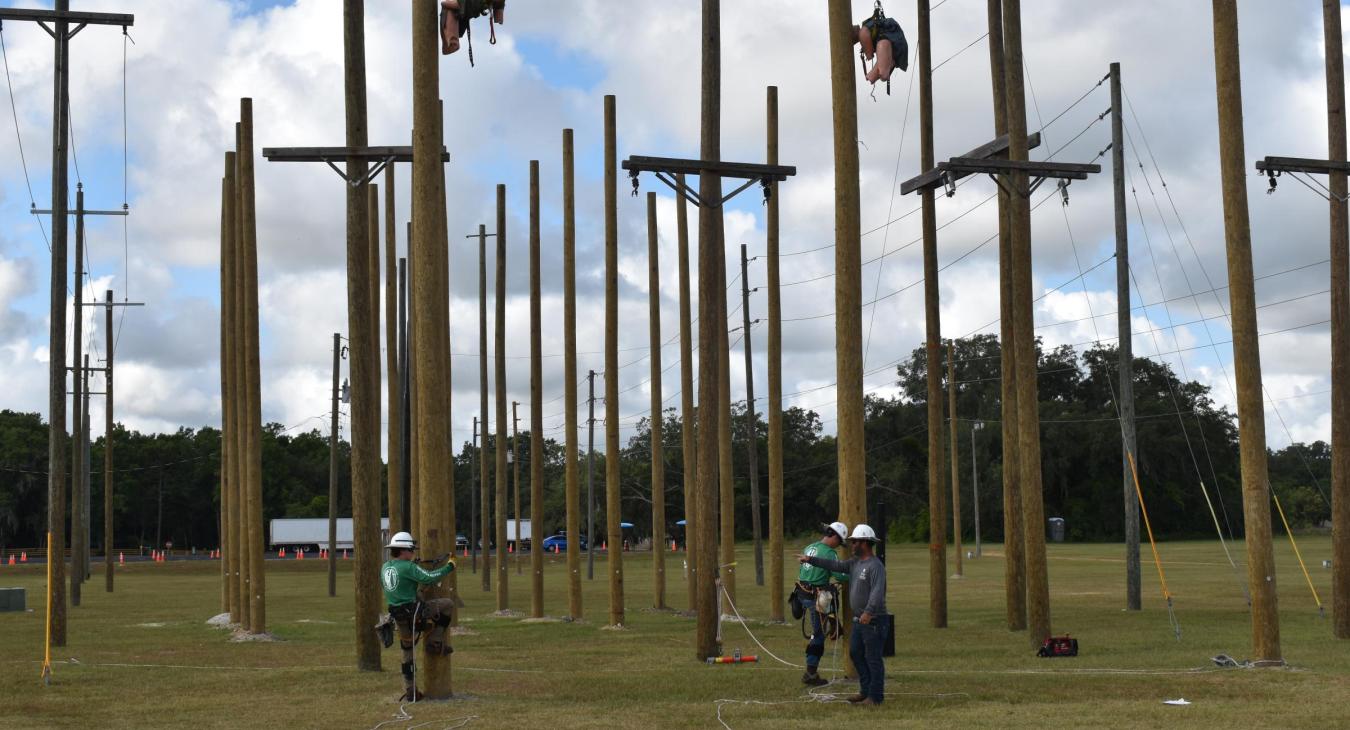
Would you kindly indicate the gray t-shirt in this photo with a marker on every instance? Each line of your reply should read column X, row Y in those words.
column 866, row 582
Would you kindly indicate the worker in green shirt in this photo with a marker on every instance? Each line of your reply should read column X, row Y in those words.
column 401, row 576
column 816, row 597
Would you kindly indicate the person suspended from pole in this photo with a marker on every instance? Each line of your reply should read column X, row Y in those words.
column 401, row 577
column 867, row 596
column 881, row 41
column 816, row 596
column 455, row 18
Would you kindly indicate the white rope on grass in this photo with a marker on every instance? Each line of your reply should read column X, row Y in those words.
column 741, row 618
column 404, row 716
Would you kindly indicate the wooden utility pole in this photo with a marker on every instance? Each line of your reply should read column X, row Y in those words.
column 572, row 487
column 1246, row 345
column 108, row 447
column 613, row 502
column 955, row 455
column 248, row 242
column 515, row 479
column 77, row 480
column 536, row 409
column 485, row 492
column 590, row 479
column 60, row 19
column 1014, row 548
column 774, row 406
column 240, row 447
column 363, row 353
column 404, row 407
column 658, row 451
column 710, row 327
column 499, row 328
column 229, row 535
column 1340, row 324
column 1028, row 420
column 688, row 442
column 852, row 454
column 937, row 501
column 473, row 500
column 1125, row 347
column 333, row 470
column 430, row 320
column 751, row 421
column 726, row 473
column 85, row 498
column 394, row 389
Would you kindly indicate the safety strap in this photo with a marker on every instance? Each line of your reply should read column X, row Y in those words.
column 1224, row 543
column 1320, row 611
column 1162, row 578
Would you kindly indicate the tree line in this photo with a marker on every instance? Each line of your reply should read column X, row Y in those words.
column 166, row 485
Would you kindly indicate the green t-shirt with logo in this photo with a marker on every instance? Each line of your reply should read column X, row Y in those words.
column 813, row 576
column 400, row 579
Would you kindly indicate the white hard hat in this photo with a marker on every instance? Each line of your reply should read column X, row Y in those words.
column 863, row 532
column 402, row 540
column 837, row 528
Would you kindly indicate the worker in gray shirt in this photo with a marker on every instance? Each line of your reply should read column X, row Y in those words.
column 867, row 597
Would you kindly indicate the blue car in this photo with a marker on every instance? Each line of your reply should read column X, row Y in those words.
column 559, row 542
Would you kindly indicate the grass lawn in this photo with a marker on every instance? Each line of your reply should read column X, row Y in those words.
column 144, row 656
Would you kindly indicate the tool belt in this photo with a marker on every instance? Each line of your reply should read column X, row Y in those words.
column 407, row 612
column 829, row 618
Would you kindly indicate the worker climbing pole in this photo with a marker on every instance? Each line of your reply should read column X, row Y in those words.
column 456, row 18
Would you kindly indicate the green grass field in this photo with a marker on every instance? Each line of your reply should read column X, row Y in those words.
column 144, row 656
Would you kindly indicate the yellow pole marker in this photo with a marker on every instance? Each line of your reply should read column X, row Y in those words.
column 1176, row 627
column 1320, row 611
column 47, row 642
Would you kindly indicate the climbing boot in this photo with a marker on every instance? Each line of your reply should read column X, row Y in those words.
column 814, row 679
column 855, row 699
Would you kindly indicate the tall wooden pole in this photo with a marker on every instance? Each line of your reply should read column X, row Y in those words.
column 688, row 442
column 726, row 474
column 937, row 500
column 77, row 500
column 404, row 431
column 774, row 406
column 391, row 359
column 1246, row 345
column 473, row 501
column 847, row 281
column 333, row 469
column 613, row 503
column 499, row 373
column 485, row 492
column 710, row 325
column 446, row 524
column 430, row 319
column 1340, row 325
column 751, row 421
column 590, row 477
column 363, row 350
column 536, row 406
column 572, row 485
column 658, row 452
column 85, row 518
column 1028, row 418
column 1125, row 348
column 108, row 451
column 228, row 536
column 955, row 455
column 1014, row 563
column 248, row 240
column 243, row 547
column 56, row 333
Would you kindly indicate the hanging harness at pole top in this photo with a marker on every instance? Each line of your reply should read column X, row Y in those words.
column 470, row 9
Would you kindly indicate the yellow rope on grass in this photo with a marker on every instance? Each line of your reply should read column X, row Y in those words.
column 1157, row 561
column 1290, row 533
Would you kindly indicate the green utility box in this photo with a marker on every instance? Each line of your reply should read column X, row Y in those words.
column 12, row 599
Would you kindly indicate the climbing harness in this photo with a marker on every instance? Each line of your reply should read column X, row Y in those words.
column 470, row 9
column 880, row 28
column 827, row 605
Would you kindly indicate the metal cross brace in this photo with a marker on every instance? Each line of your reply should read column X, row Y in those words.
column 1275, row 166
column 381, row 156
column 995, row 148
column 1039, row 172
column 668, row 170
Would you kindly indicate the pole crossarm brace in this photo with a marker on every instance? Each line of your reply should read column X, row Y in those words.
column 995, row 148
column 48, row 211
column 667, row 169
column 112, row 304
column 381, row 156
column 1273, row 167
column 1038, row 172
column 42, row 17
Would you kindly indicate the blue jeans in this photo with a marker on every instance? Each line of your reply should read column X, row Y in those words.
column 815, row 647
column 864, row 649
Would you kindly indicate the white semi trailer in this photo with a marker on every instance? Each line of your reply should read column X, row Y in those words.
column 313, row 532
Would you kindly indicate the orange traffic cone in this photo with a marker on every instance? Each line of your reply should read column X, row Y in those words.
column 23, row 557
column 281, row 553
column 299, row 554
column 344, row 555
column 605, row 545
column 466, row 551
column 121, row 559
column 11, row 560
column 510, row 548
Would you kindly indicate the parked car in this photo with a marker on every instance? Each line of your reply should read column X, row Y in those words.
column 461, row 543
column 559, row 542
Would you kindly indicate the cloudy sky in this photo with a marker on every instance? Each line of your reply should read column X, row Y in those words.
column 192, row 60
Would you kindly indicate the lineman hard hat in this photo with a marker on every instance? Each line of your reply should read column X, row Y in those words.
column 402, row 541
column 863, row 532
column 837, row 528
